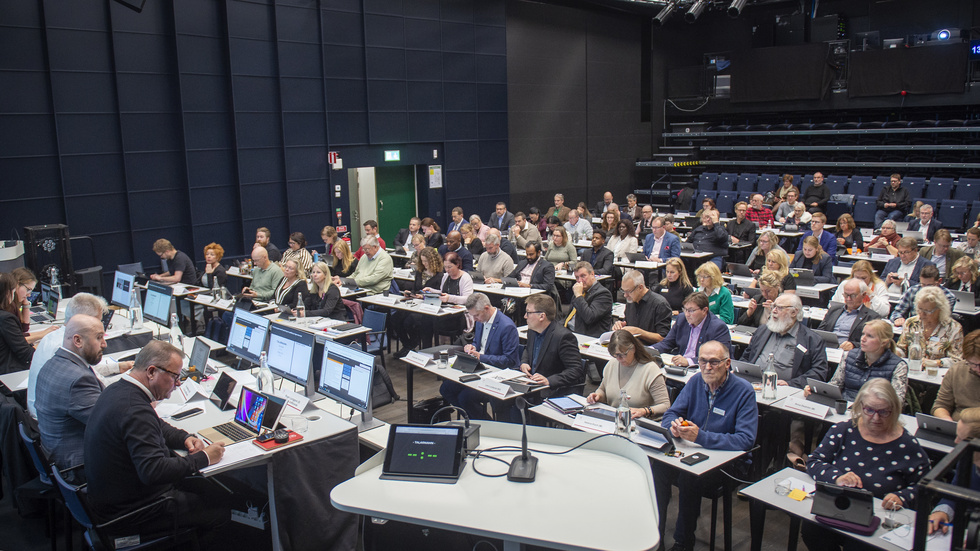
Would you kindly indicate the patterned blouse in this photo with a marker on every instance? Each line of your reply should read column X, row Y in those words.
column 946, row 344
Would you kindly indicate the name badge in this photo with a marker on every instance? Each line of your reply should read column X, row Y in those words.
column 718, row 411
column 802, row 348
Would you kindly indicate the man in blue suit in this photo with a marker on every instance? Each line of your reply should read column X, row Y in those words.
column 906, row 267
column 696, row 327
column 495, row 343
column 661, row 244
column 925, row 223
column 827, row 240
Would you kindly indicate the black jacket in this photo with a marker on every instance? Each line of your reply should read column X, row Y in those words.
column 714, row 240
column 559, row 359
column 603, row 264
column 593, row 311
column 900, row 196
column 865, row 315
column 818, row 194
column 543, row 276
column 811, row 363
column 15, row 353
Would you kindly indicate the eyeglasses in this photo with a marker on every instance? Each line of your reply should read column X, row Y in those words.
column 691, row 310
column 527, row 312
column 903, row 253
column 713, row 362
column 622, row 355
column 628, row 291
column 928, row 312
column 704, row 276
column 851, row 295
column 881, row 413
column 973, row 365
column 777, row 308
column 176, row 376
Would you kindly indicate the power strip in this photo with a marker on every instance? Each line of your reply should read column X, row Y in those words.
column 250, row 518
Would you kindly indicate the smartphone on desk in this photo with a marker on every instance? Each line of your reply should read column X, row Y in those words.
column 694, row 459
column 187, row 413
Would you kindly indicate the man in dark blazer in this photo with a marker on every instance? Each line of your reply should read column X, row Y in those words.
column 592, row 303
column 848, row 320
column 599, row 256
column 405, row 235
column 798, row 352
column 942, row 254
column 542, row 272
column 926, row 223
column 502, row 219
column 67, row 389
column 495, row 342
column 551, row 356
column 454, row 243
column 908, row 264
column 698, row 320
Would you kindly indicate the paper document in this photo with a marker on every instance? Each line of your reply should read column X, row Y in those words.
column 236, row 453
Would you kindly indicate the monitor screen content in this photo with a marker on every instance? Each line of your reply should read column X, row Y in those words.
column 290, row 353
column 156, row 307
column 347, row 375
column 421, row 450
column 246, row 339
column 251, row 408
column 121, row 287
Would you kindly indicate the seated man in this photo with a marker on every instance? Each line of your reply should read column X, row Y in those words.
column 495, row 342
column 454, row 243
column 894, row 201
column 67, row 390
column 534, row 271
column 710, row 236
column 960, row 388
column 741, row 228
column 758, row 212
column 817, row 195
column 179, row 268
column 263, row 238
column 942, row 254
column 648, row 314
column 266, row 276
column 523, row 232
column 370, row 230
column 577, row 228
column 592, row 303
column 129, row 451
column 696, row 327
column 827, row 240
column 644, row 225
column 906, row 267
column 457, row 220
column 847, row 321
column 928, row 277
column 716, row 411
column 551, row 356
column 971, row 247
column 560, row 210
column 887, row 240
column 797, row 351
column 375, row 270
column 661, row 244
column 599, row 256
column 925, row 223
column 405, row 235
column 494, row 264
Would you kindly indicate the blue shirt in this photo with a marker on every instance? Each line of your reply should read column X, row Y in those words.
column 726, row 419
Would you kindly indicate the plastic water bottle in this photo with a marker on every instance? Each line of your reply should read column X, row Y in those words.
column 300, row 306
column 316, row 256
column 769, row 379
column 915, row 352
column 264, row 378
column 135, row 310
column 176, row 335
column 623, row 416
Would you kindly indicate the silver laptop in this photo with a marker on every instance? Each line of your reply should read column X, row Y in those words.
column 829, row 337
column 934, row 429
column 901, row 227
column 917, row 235
column 803, row 277
column 965, row 300
column 748, row 371
column 823, row 393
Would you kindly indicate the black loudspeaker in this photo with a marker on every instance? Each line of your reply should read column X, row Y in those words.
column 48, row 254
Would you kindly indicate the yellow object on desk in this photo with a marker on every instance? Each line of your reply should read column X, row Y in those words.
column 797, row 494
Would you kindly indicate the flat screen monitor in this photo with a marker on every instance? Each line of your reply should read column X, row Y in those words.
column 347, row 376
column 869, row 40
column 133, row 269
column 247, row 336
column 121, row 287
column 156, row 306
column 291, row 354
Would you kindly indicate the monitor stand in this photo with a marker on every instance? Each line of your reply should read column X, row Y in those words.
column 365, row 421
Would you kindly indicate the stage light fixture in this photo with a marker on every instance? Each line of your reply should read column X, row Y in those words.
column 696, row 9
column 735, row 9
column 664, row 14
column 943, row 34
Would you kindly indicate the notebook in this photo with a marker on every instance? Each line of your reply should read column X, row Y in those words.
column 255, row 411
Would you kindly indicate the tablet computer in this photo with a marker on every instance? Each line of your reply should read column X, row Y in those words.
column 424, row 453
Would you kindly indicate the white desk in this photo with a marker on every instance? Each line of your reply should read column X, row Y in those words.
column 464, row 506
column 411, row 305
column 509, row 291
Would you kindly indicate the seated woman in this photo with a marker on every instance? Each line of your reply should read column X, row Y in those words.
column 297, row 250
column 455, row 285
column 584, row 212
column 801, row 218
column 848, row 236
column 428, row 269
column 471, row 241
column 560, row 251
column 767, row 242
column 967, row 428
column 757, row 315
column 712, row 284
column 813, row 257
column 965, row 275
column 292, row 284
column 610, row 219
column 624, row 241
column 778, row 263
column 15, row 352
column 877, row 298
column 706, row 204
column 323, row 300
column 433, row 238
column 844, row 457
column 344, row 263
column 780, row 193
column 877, row 357
column 633, row 369
column 536, row 220
column 214, row 274
column 942, row 336
column 675, row 285
column 888, row 239
column 415, row 247
column 27, row 281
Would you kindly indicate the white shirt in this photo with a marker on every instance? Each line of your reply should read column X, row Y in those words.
column 129, row 379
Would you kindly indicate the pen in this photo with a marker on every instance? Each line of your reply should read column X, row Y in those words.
column 941, row 523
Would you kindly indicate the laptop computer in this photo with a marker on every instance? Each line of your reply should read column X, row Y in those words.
column 50, row 310
column 917, row 235
column 829, row 338
column 687, row 247
column 823, row 393
column 934, row 429
column 739, row 269
column 855, row 505
column 221, row 395
column 198, row 359
column 965, row 300
column 901, row 227
column 748, row 371
column 803, row 277
column 636, row 257
column 250, row 418
column 744, row 329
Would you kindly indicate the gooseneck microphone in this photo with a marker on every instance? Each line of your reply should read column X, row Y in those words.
column 524, row 466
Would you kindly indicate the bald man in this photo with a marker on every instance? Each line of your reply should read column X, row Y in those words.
column 265, row 276
column 67, row 389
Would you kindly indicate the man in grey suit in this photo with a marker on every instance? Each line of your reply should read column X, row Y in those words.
column 67, row 389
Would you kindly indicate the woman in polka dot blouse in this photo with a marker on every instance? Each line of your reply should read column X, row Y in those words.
column 871, row 451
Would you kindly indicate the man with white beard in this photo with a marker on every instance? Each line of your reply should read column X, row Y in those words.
column 798, row 352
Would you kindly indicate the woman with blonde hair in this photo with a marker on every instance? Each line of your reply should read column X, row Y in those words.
column 675, row 285
column 344, row 262
column 777, row 263
column 324, row 300
column 942, row 336
column 712, row 284
column 965, row 275
column 877, row 297
column 768, row 241
column 876, row 357
column 292, row 285
column 812, row 257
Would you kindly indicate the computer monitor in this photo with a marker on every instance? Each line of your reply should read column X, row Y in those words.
column 121, row 287
column 156, row 306
column 347, row 376
column 132, row 269
column 247, row 336
column 869, row 40
column 291, row 354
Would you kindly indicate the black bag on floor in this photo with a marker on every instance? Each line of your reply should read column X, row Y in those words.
column 422, row 411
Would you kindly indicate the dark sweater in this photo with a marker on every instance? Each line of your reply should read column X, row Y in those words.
column 674, row 293
column 329, row 305
column 15, row 353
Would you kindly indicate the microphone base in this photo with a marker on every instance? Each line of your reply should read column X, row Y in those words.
column 523, row 470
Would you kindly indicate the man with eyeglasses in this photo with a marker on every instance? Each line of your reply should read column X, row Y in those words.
column 715, row 411
column 847, row 320
column 599, row 256
column 533, row 272
column 942, row 254
column 591, row 304
column 906, row 268
column 129, row 452
column 929, row 277
column 710, row 236
column 797, row 351
column 661, row 245
column 961, row 384
column 696, row 327
column 648, row 314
